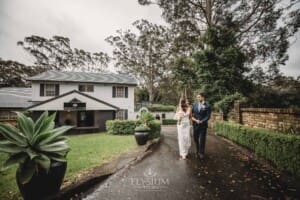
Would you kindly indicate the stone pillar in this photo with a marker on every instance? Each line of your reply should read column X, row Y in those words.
column 237, row 112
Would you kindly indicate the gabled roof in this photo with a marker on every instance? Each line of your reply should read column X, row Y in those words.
column 15, row 97
column 84, row 77
column 112, row 107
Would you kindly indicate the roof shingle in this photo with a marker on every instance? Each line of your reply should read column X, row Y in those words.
column 84, row 77
column 12, row 97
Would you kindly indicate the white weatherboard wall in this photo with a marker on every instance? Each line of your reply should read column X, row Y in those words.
column 58, row 104
column 101, row 91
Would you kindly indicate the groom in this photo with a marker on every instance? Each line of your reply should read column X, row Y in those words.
column 201, row 111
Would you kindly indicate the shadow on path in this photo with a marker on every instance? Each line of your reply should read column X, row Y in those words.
column 227, row 172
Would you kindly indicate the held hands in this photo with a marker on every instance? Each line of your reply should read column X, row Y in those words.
column 198, row 121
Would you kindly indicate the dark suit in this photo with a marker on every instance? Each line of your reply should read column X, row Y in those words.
column 200, row 129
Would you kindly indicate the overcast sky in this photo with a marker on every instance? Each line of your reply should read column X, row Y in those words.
column 86, row 22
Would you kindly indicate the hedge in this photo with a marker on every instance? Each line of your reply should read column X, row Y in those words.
column 281, row 149
column 162, row 108
column 169, row 121
column 121, row 127
column 155, row 127
column 126, row 127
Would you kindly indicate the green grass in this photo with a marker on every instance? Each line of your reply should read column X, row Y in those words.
column 87, row 151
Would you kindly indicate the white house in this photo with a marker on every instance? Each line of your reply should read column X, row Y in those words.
column 85, row 100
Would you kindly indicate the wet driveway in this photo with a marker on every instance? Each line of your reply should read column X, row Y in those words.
column 228, row 172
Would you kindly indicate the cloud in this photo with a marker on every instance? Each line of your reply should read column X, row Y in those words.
column 86, row 22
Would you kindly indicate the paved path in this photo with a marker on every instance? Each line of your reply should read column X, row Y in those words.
column 228, row 172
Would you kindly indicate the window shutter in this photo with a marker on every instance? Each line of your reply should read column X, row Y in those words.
column 126, row 92
column 42, row 87
column 114, row 92
column 126, row 114
column 114, row 114
column 56, row 89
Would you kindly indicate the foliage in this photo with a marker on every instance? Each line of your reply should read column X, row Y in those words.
column 13, row 74
column 141, row 94
column 162, row 108
column 33, row 145
column 185, row 71
column 155, row 129
column 127, row 127
column 282, row 92
column 281, row 149
column 57, row 53
column 226, row 104
column 88, row 151
column 221, row 67
column 121, row 127
column 142, row 128
column 145, row 55
column 146, row 117
column 169, row 121
column 261, row 28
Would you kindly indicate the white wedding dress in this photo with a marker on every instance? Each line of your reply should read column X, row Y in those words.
column 183, row 129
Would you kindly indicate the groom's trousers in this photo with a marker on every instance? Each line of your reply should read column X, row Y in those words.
column 199, row 138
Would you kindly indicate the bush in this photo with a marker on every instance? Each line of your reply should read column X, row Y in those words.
column 162, row 108
column 281, row 149
column 169, row 121
column 121, row 127
column 155, row 128
column 142, row 128
column 146, row 117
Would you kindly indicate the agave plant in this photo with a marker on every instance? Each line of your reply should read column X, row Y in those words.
column 33, row 145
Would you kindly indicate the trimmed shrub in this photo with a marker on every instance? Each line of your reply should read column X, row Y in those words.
column 281, row 149
column 169, row 121
column 155, row 128
column 146, row 117
column 161, row 108
column 121, row 127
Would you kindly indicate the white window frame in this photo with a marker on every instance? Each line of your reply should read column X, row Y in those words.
column 120, row 115
column 50, row 90
column 120, row 92
column 85, row 87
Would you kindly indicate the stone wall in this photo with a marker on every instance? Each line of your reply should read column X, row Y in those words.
column 215, row 116
column 277, row 119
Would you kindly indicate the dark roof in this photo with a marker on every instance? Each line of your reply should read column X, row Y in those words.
column 84, row 77
column 73, row 91
column 14, row 97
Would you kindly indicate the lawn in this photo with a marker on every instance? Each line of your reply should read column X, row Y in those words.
column 87, row 151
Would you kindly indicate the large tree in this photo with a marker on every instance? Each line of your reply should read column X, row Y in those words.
column 144, row 54
column 57, row 53
column 262, row 28
column 13, row 74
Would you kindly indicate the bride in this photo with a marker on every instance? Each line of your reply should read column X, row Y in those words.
column 183, row 115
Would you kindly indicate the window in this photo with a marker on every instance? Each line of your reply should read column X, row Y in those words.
column 122, row 114
column 120, row 92
column 50, row 90
column 8, row 115
column 86, row 88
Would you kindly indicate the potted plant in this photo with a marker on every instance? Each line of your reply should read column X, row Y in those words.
column 141, row 133
column 40, row 150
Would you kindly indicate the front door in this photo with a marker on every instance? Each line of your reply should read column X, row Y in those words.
column 85, row 118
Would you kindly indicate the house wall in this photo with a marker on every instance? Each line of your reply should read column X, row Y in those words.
column 101, row 91
column 58, row 104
